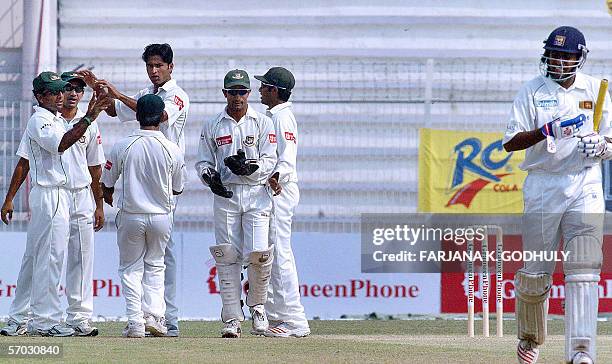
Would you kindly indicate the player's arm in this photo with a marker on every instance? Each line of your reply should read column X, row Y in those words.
column 206, row 163
column 19, row 175
column 90, row 80
column 175, row 109
column 96, row 105
column 96, row 189
column 178, row 173
column 286, row 146
column 110, row 175
column 267, row 151
column 524, row 140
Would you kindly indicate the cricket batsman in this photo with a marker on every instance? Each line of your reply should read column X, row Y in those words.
column 552, row 119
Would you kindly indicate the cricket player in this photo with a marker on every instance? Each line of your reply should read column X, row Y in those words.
column 236, row 156
column 53, row 197
column 283, row 305
column 153, row 169
column 159, row 63
column 83, row 162
column 552, row 118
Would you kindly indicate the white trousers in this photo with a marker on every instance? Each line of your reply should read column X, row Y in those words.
column 79, row 265
column 244, row 219
column 560, row 205
column 41, row 267
column 170, row 276
column 142, row 240
column 284, row 294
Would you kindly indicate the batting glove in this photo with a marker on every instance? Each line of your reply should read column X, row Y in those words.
column 563, row 129
column 239, row 165
column 594, row 146
column 213, row 179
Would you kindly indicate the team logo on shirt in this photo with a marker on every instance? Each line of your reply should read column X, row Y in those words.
column 290, row 137
column 179, row 102
column 272, row 138
column 108, row 165
column 586, row 104
column 223, row 140
column 249, row 141
column 559, row 40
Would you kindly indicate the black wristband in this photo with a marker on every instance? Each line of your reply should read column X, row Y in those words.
column 87, row 120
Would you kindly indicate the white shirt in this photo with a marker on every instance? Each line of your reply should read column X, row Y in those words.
column 87, row 151
column 222, row 136
column 151, row 166
column 538, row 102
column 177, row 108
column 40, row 141
column 285, row 127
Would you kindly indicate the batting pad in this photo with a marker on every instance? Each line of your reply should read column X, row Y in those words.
column 585, row 256
column 228, row 271
column 581, row 304
column 259, row 271
column 532, row 304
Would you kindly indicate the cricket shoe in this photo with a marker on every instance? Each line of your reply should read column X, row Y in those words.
column 84, row 329
column 231, row 329
column 527, row 352
column 55, row 331
column 582, row 358
column 173, row 330
column 260, row 321
column 134, row 329
column 14, row 328
column 155, row 325
column 285, row 329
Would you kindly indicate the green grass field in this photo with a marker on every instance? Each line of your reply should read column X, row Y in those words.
column 407, row 341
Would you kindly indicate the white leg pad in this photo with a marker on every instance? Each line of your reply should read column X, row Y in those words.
column 228, row 271
column 532, row 305
column 259, row 271
column 582, row 296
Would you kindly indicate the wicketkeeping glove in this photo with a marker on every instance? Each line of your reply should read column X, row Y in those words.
column 239, row 165
column 213, row 179
column 563, row 129
column 594, row 146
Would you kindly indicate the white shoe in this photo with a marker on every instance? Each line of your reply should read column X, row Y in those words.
column 527, row 352
column 134, row 329
column 155, row 325
column 173, row 330
column 84, row 329
column 231, row 329
column 582, row 358
column 56, row 331
column 260, row 321
column 14, row 328
column 285, row 329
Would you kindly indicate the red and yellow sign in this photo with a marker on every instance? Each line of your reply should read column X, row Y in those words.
column 468, row 172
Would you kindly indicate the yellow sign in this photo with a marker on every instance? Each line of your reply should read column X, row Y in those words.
column 468, row 172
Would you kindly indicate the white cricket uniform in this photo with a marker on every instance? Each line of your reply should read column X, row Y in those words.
column 151, row 167
column 562, row 185
column 177, row 107
column 284, row 295
column 563, row 197
column 49, row 227
column 87, row 151
column 242, row 220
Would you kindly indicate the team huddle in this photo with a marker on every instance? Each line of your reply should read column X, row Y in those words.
column 247, row 159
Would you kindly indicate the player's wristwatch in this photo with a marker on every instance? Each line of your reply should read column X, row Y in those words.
column 87, row 120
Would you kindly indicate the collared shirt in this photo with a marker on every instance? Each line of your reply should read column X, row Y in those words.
column 87, row 151
column 540, row 101
column 222, row 136
column 287, row 141
column 39, row 145
column 151, row 166
column 177, row 108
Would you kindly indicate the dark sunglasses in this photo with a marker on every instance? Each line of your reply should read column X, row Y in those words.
column 234, row 92
column 78, row 89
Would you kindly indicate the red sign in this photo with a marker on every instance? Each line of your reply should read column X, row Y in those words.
column 223, row 140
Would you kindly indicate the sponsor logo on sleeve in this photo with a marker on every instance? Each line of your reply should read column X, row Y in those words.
column 99, row 139
column 272, row 138
column 223, row 140
column 179, row 102
column 108, row 165
column 289, row 136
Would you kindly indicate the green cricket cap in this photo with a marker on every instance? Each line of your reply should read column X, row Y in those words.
column 48, row 81
column 237, row 78
column 279, row 77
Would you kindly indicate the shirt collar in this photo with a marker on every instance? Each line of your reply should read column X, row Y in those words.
column 279, row 107
column 143, row 132
column 579, row 83
column 79, row 114
column 44, row 112
column 169, row 85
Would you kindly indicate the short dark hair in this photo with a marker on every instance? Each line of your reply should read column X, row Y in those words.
column 284, row 95
column 162, row 50
column 151, row 120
